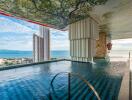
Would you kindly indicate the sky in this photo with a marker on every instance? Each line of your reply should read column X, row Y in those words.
column 122, row 44
column 14, row 34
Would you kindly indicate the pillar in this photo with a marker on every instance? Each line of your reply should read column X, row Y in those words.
column 101, row 49
column 101, row 45
column 83, row 35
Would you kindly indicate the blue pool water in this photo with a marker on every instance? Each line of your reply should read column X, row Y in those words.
column 33, row 82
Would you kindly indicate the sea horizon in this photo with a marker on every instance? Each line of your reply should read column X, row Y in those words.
column 54, row 53
column 29, row 54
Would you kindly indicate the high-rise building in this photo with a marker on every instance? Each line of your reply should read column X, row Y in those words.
column 41, row 45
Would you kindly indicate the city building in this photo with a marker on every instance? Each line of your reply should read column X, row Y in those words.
column 41, row 45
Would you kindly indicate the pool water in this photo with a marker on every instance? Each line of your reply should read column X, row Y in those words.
column 33, row 82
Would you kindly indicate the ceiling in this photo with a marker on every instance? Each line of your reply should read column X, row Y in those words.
column 52, row 13
column 113, row 16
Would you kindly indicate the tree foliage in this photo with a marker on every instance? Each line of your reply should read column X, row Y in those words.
column 58, row 13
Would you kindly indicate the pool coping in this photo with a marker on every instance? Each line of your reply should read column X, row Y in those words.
column 36, row 63
column 125, row 84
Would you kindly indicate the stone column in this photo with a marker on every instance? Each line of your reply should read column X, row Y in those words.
column 101, row 45
column 83, row 35
column 101, row 49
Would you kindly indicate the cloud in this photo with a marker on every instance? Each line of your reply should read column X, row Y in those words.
column 59, row 40
column 17, row 35
column 59, row 45
column 7, row 25
column 122, row 41
column 122, row 44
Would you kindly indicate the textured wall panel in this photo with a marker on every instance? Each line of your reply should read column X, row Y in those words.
column 82, row 36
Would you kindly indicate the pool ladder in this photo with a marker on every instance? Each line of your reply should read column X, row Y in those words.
column 69, row 86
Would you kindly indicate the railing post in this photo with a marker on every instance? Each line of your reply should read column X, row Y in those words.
column 69, row 86
column 130, row 86
column 129, row 57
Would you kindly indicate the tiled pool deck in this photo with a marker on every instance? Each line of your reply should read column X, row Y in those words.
column 130, row 85
column 123, row 67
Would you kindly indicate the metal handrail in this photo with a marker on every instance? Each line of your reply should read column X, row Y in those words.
column 74, row 74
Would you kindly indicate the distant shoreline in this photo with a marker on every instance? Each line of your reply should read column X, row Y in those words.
column 7, row 54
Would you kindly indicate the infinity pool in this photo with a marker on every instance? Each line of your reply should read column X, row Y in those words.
column 33, row 82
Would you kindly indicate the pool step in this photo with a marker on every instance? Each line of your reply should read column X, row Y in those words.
column 90, row 93
column 83, row 88
column 96, row 86
column 106, row 87
column 74, row 83
column 76, row 87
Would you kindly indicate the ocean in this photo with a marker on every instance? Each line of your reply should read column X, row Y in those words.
column 28, row 54
column 56, row 54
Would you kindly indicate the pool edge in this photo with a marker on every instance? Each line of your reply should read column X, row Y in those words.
column 124, row 90
column 26, row 65
column 36, row 63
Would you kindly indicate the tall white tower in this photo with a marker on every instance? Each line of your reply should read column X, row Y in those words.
column 41, row 45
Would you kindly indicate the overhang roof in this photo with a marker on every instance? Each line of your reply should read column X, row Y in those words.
column 114, row 16
column 52, row 13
